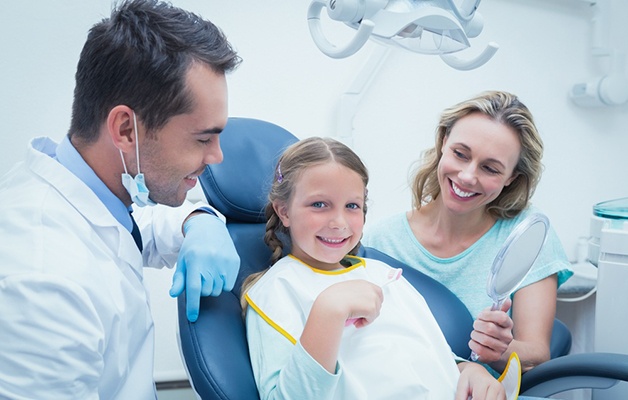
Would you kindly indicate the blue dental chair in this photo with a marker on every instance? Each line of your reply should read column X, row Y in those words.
column 214, row 348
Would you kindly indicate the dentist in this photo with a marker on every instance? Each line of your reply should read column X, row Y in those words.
column 149, row 104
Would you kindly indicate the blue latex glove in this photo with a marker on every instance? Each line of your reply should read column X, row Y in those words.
column 207, row 264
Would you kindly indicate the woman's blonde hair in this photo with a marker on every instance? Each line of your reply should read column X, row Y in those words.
column 293, row 162
column 507, row 109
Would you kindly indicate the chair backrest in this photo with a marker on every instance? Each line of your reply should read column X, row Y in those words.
column 214, row 348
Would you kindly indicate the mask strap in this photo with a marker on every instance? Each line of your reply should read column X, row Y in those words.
column 137, row 148
column 123, row 163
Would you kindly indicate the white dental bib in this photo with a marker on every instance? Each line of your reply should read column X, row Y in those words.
column 402, row 354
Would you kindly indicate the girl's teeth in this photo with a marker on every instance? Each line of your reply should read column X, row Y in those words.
column 331, row 240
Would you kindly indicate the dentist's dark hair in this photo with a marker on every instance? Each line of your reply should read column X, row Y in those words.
column 506, row 109
column 139, row 57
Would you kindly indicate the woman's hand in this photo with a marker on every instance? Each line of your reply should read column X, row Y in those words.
column 477, row 383
column 492, row 333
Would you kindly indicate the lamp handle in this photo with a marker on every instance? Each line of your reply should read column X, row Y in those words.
column 362, row 35
column 466, row 65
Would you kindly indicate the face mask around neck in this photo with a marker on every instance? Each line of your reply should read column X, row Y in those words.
column 136, row 187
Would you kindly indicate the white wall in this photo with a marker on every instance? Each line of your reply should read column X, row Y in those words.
column 544, row 49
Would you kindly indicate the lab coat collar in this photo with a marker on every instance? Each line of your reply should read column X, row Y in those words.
column 70, row 158
column 41, row 161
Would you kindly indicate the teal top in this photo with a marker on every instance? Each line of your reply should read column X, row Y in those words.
column 465, row 274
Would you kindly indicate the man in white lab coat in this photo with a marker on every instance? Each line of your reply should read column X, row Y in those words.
column 149, row 104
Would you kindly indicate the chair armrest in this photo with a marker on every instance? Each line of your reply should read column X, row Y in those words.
column 575, row 371
column 561, row 340
column 215, row 349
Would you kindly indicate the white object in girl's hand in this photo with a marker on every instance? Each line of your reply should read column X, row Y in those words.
column 393, row 275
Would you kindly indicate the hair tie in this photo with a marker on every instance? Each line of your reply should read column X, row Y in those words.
column 279, row 174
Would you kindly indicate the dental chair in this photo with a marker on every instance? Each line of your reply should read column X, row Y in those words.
column 214, row 348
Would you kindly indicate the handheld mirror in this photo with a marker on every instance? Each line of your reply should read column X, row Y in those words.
column 515, row 259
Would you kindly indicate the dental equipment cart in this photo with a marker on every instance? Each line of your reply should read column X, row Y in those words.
column 608, row 250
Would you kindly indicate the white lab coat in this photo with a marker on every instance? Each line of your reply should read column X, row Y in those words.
column 74, row 316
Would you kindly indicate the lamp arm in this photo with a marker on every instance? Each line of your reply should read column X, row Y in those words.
column 362, row 35
column 469, row 10
column 466, row 65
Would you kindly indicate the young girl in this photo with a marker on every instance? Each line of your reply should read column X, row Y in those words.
column 323, row 324
column 471, row 190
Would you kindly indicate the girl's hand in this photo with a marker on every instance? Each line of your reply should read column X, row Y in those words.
column 492, row 333
column 335, row 305
column 478, row 384
column 356, row 301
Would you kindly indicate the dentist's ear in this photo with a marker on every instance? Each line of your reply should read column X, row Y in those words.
column 120, row 128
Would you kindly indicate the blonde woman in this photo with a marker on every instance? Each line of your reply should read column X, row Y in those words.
column 470, row 191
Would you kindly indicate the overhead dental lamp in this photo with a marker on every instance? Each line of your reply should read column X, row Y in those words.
column 439, row 27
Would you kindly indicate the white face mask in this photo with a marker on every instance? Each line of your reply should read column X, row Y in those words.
column 136, row 186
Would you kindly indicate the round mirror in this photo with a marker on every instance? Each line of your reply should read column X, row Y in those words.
column 516, row 257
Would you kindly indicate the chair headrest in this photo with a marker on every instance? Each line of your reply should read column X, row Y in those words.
column 238, row 187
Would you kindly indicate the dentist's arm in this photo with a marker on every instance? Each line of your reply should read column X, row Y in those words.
column 207, row 263
column 54, row 348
